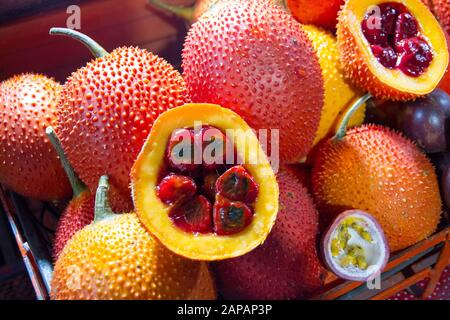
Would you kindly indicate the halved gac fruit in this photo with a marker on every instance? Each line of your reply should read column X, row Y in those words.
column 203, row 185
column 393, row 49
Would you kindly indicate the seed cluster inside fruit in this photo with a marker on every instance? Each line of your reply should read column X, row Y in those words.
column 352, row 245
column 396, row 39
column 203, row 182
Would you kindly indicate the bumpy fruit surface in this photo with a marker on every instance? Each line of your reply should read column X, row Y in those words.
column 379, row 171
column 404, row 57
column 339, row 93
column 286, row 265
column 107, row 110
column 244, row 197
column 441, row 9
column 28, row 163
column 253, row 58
column 320, row 13
column 117, row 258
column 78, row 214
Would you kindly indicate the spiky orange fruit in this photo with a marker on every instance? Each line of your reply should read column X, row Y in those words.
column 286, row 265
column 253, row 58
column 321, row 13
column 441, row 9
column 28, row 163
column 379, row 171
column 107, row 110
column 78, row 214
column 378, row 66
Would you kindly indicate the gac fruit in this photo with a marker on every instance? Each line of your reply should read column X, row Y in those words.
column 320, row 13
column 116, row 258
column 286, row 265
column 229, row 202
column 253, row 58
column 379, row 171
column 28, row 163
column 339, row 93
column 445, row 82
column 395, row 50
column 107, row 110
column 441, row 9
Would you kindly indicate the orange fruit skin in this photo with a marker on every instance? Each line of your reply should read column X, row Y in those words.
column 107, row 110
column 320, row 13
column 286, row 265
column 379, row 171
column 78, row 214
column 253, row 58
column 28, row 163
column 117, row 258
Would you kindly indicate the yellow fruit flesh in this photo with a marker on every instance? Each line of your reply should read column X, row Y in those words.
column 339, row 92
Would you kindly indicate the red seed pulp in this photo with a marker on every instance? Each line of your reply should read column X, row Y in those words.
column 395, row 39
column 207, row 194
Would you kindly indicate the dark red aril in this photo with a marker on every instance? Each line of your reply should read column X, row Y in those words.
column 237, row 184
column 213, row 147
column 209, row 185
column 180, row 151
column 176, row 188
column 193, row 215
column 406, row 27
column 415, row 56
column 386, row 56
column 230, row 217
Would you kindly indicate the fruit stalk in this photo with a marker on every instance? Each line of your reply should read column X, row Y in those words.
column 77, row 185
column 102, row 208
column 186, row 13
column 340, row 133
column 96, row 49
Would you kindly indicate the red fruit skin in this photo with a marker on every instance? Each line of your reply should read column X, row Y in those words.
column 28, row 163
column 286, row 265
column 253, row 58
column 108, row 108
column 321, row 13
column 78, row 214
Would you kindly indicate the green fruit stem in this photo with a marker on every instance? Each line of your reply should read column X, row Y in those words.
column 92, row 45
column 186, row 13
column 342, row 130
column 102, row 208
column 78, row 187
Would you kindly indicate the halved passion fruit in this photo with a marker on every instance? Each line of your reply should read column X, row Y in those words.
column 203, row 185
column 393, row 49
column 354, row 247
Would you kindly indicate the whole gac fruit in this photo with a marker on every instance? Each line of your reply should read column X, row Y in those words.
column 379, row 171
column 108, row 108
column 253, row 58
column 286, row 265
column 321, row 13
column 116, row 258
column 28, row 163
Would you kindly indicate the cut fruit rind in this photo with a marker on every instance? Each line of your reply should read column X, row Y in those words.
column 154, row 214
column 355, row 247
column 367, row 72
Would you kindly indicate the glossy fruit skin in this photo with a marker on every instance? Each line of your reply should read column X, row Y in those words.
column 78, row 214
column 339, row 92
column 28, row 163
column 321, row 13
column 368, row 74
column 117, row 258
column 107, row 110
column 445, row 185
column 253, row 58
column 286, row 265
column 154, row 214
column 379, row 171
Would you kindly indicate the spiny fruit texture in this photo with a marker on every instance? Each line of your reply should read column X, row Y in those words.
column 28, row 163
column 339, row 93
column 321, row 13
column 117, row 258
column 286, row 265
column 107, row 110
column 78, row 214
column 441, row 9
column 379, row 171
column 253, row 58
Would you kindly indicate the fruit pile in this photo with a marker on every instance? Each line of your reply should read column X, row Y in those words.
column 300, row 137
